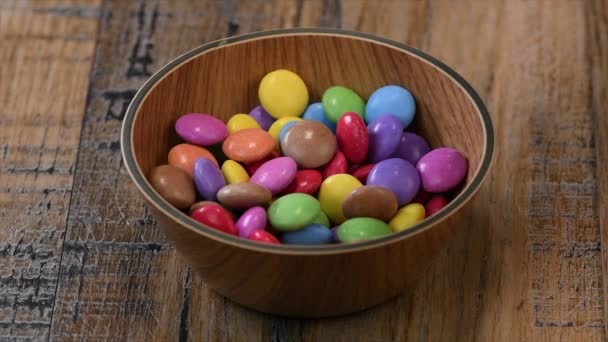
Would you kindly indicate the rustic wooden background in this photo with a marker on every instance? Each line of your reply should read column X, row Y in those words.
column 81, row 258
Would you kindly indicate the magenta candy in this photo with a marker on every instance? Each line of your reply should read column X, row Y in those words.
column 397, row 175
column 262, row 117
column 411, row 147
column 275, row 174
column 252, row 219
column 441, row 169
column 201, row 129
column 384, row 136
column 352, row 137
column 436, row 203
column 208, row 178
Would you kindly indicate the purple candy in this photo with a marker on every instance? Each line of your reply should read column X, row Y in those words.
column 208, row 178
column 384, row 136
column 201, row 129
column 441, row 169
column 334, row 235
column 411, row 147
column 397, row 175
column 253, row 219
column 275, row 174
column 260, row 115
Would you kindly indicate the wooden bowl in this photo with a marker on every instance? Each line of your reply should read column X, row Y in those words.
column 222, row 78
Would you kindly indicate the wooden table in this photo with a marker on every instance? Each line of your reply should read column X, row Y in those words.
column 81, row 258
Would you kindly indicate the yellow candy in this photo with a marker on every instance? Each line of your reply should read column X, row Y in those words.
column 276, row 127
column 407, row 217
column 283, row 93
column 241, row 121
column 234, row 173
column 334, row 190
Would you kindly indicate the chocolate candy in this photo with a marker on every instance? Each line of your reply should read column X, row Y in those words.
column 283, row 93
column 336, row 166
column 262, row 117
column 201, row 129
column 370, row 201
column 434, row 204
column 248, row 145
column 315, row 112
column 407, row 217
column 233, row 172
column 310, row 143
column 275, row 174
column 239, row 122
column 263, row 237
column 243, row 195
column 306, row 181
column 208, row 178
column 441, row 169
column 333, row 191
column 394, row 100
column 216, row 217
column 397, row 175
column 314, row 234
column 384, row 136
column 174, row 185
column 252, row 219
column 362, row 229
column 362, row 172
column 411, row 147
column 352, row 137
column 338, row 100
column 183, row 157
column 293, row 212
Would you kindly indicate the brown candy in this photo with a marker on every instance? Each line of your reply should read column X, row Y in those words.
column 174, row 185
column 370, row 201
column 310, row 143
column 243, row 195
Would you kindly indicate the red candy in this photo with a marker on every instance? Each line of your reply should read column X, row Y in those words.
column 422, row 196
column 215, row 216
column 337, row 165
column 362, row 171
column 306, row 181
column 351, row 134
column 263, row 236
column 436, row 203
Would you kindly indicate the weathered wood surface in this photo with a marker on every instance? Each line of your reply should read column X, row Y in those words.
column 80, row 257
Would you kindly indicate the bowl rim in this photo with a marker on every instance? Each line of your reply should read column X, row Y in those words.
column 185, row 221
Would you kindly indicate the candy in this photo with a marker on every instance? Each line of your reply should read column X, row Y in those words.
column 411, row 147
column 277, row 126
column 216, row 217
column 315, row 112
column 336, row 166
column 262, row 117
column 234, row 173
column 174, row 185
column 293, row 212
column 352, row 137
column 208, row 178
column 333, row 191
column 253, row 167
column 314, row 234
column 198, row 205
column 441, row 169
column 434, row 204
column 310, row 143
column 252, row 219
column 397, row 175
column 285, row 128
column 334, row 234
column 393, row 100
column 183, row 157
column 263, row 237
column 201, row 129
column 384, row 136
column 239, row 122
column 283, row 93
column 306, row 181
column 422, row 196
column 322, row 219
column 407, row 217
column 248, row 145
column 338, row 100
column 362, row 172
column 275, row 174
column 243, row 195
column 370, row 201
column 362, row 229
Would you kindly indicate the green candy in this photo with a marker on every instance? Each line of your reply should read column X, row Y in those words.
column 293, row 212
column 361, row 229
column 322, row 219
column 338, row 100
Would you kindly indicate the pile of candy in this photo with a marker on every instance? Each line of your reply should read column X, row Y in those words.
column 291, row 171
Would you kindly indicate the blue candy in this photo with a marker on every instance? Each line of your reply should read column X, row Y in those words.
column 393, row 100
column 315, row 112
column 314, row 234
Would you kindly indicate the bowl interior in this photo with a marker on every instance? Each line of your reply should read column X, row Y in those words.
column 223, row 79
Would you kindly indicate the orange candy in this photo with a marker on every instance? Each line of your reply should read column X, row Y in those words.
column 183, row 156
column 248, row 145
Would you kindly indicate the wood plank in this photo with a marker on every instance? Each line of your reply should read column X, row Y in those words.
column 596, row 18
column 40, row 121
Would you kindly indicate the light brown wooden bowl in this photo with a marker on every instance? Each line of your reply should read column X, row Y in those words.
column 222, row 78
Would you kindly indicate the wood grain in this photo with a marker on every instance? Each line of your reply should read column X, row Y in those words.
column 40, row 119
column 529, row 269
